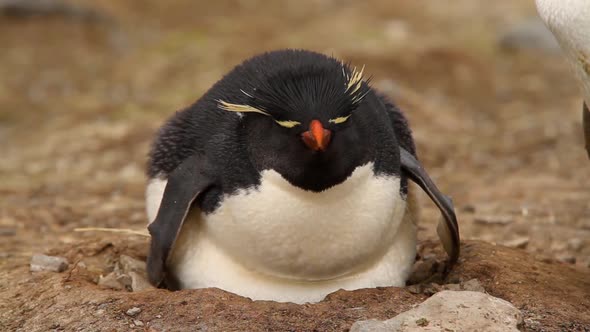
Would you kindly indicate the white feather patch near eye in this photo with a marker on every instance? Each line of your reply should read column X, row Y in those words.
column 340, row 119
column 239, row 108
column 287, row 123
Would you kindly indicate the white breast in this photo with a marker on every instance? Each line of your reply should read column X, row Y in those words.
column 279, row 242
column 569, row 20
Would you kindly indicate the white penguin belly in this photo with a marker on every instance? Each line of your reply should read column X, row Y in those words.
column 279, row 242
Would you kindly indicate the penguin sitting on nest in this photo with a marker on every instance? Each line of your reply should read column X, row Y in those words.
column 286, row 181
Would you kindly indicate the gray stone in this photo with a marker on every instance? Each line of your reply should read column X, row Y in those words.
column 133, row 311
column 451, row 311
column 48, row 263
column 530, row 34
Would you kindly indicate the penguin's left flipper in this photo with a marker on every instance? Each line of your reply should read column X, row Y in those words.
column 448, row 231
column 586, row 123
column 191, row 177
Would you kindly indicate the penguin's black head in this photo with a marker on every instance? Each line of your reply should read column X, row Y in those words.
column 303, row 115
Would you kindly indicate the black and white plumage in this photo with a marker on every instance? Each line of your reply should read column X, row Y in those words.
column 286, row 181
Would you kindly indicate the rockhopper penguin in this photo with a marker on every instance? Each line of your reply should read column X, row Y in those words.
column 286, row 181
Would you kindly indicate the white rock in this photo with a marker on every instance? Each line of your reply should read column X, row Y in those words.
column 454, row 311
column 48, row 263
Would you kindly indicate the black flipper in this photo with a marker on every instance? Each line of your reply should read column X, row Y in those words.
column 448, row 231
column 586, row 123
column 185, row 183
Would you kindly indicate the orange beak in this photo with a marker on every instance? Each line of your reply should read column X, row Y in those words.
column 316, row 138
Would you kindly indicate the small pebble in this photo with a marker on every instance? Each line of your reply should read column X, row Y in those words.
column 469, row 208
column 138, row 322
column 422, row 322
column 493, row 219
column 473, row 285
column 415, row 289
column 133, row 311
column 545, row 259
column 569, row 259
column 575, row 244
column 453, row 287
column 432, row 288
column 48, row 263
column 7, row 231
column 558, row 246
column 519, row 242
column 49, row 8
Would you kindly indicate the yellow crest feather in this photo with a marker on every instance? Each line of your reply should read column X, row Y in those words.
column 288, row 123
column 239, row 108
column 355, row 80
column 340, row 119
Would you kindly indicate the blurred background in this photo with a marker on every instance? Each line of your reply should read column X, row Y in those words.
column 84, row 84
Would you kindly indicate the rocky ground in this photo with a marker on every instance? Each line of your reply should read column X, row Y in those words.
column 495, row 112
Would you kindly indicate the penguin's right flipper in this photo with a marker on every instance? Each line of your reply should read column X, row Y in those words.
column 586, row 124
column 185, row 183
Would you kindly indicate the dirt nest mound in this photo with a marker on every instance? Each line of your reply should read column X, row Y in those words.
column 551, row 295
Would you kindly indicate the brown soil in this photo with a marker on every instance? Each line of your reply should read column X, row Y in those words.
column 80, row 101
column 552, row 296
